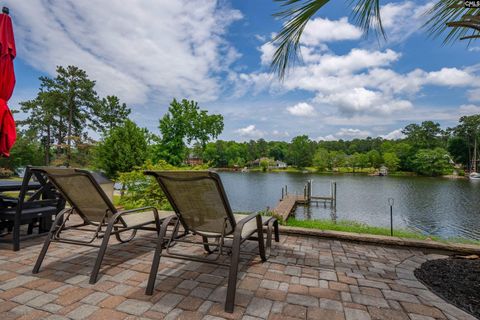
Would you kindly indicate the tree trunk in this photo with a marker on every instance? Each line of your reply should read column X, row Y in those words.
column 47, row 147
column 69, row 137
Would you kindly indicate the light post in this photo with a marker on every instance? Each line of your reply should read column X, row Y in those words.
column 390, row 202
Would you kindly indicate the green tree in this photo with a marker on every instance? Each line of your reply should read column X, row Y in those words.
column 76, row 99
column 44, row 120
column 391, row 161
column 301, row 151
column 122, row 149
column 366, row 14
column 264, row 164
column 278, row 150
column 424, row 136
column 432, row 162
column 374, row 158
column 110, row 113
column 337, row 159
column 321, row 159
column 26, row 151
column 183, row 123
column 469, row 130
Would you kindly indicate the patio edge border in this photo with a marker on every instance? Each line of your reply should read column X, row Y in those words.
column 386, row 240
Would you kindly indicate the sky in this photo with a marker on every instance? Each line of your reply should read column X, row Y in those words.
column 218, row 53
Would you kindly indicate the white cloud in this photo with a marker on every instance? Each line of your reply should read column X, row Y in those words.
column 450, row 77
column 349, row 133
column 139, row 51
column 360, row 100
column 320, row 30
column 469, row 109
column 267, row 50
column 474, row 95
column 474, row 49
column 301, row 109
column 346, row 134
column 329, row 137
column 250, row 132
column 394, row 135
column 402, row 19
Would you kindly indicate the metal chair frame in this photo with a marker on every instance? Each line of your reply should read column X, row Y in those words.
column 165, row 242
column 112, row 221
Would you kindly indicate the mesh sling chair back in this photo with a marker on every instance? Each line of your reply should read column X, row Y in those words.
column 87, row 199
column 201, row 207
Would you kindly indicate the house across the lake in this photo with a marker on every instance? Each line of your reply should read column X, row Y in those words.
column 272, row 164
column 194, row 161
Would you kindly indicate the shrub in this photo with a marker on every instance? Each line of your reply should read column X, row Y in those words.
column 142, row 190
column 5, row 173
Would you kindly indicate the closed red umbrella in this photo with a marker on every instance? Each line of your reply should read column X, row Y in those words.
column 8, row 133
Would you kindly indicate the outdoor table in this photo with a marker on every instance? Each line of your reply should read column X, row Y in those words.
column 8, row 185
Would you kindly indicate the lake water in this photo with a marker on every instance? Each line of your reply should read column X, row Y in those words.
column 436, row 206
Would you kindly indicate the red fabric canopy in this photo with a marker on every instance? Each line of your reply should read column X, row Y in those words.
column 8, row 133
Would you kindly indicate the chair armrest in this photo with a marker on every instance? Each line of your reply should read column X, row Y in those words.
column 241, row 223
column 137, row 210
column 119, row 214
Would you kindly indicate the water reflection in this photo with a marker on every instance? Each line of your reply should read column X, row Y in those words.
column 444, row 207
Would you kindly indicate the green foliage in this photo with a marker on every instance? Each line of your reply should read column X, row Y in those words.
column 432, row 162
column 183, row 123
column 25, row 151
column 322, row 159
column 391, row 161
column 424, row 136
column 111, row 113
column 300, row 151
column 64, row 112
column 142, row 190
column 122, row 149
column 352, row 226
column 264, row 164
column 374, row 159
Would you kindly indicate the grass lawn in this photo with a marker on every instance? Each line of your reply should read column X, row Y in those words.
column 352, row 226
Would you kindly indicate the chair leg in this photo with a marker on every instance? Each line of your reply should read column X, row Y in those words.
column 232, row 275
column 16, row 236
column 277, row 232
column 48, row 239
column 101, row 252
column 261, row 242
column 156, row 256
column 206, row 246
column 42, row 254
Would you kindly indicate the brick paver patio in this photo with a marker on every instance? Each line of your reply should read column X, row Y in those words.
column 305, row 278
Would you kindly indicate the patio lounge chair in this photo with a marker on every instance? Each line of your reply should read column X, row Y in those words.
column 91, row 203
column 201, row 207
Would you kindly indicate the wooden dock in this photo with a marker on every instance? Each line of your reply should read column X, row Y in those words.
column 288, row 202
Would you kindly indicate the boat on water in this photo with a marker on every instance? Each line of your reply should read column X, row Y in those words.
column 474, row 176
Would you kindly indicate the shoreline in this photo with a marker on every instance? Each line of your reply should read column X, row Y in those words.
column 365, row 172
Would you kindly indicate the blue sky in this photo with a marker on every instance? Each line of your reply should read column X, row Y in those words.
column 218, row 53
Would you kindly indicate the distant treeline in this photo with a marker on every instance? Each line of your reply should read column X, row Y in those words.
column 426, row 149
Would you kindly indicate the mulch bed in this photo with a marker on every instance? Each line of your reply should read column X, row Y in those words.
column 455, row 280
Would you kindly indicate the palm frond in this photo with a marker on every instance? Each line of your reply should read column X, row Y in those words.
column 366, row 14
column 298, row 13
column 452, row 19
